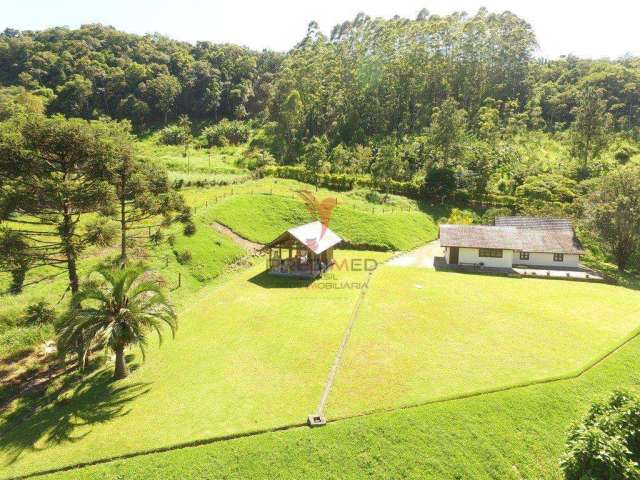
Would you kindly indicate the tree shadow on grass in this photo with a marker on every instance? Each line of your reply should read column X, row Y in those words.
column 266, row 280
column 39, row 423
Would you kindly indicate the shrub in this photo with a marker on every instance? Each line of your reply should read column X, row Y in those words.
column 185, row 215
column 189, row 229
column 624, row 153
column 606, row 443
column 156, row 237
column 462, row 217
column 171, row 239
column 173, row 135
column 183, row 257
column 101, row 232
column 226, row 132
column 39, row 313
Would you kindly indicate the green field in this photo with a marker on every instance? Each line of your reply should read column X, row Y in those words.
column 250, row 354
column 217, row 160
column 424, row 335
column 253, row 353
column 262, row 217
column 512, row 435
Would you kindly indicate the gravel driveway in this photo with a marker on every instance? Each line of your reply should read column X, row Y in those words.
column 420, row 257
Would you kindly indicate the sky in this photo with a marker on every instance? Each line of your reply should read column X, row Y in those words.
column 584, row 28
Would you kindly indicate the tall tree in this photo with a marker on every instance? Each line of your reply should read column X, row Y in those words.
column 590, row 132
column 447, row 128
column 386, row 166
column 54, row 171
column 316, row 155
column 614, row 213
column 142, row 188
column 162, row 92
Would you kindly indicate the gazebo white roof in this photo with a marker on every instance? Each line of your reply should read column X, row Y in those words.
column 317, row 237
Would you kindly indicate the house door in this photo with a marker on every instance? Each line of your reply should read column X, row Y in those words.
column 453, row 255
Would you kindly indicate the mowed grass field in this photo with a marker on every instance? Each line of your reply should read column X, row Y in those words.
column 511, row 435
column 254, row 352
column 251, row 353
column 424, row 335
column 262, row 217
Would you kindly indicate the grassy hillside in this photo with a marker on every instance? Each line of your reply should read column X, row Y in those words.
column 243, row 359
column 209, row 250
column 263, row 217
column 512, row 434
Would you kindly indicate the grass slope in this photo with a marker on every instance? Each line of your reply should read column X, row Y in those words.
column 508, row 435
column 254, row 352
column 245, row 358
column 261, row 218
column 424, row 335
column 211, row 252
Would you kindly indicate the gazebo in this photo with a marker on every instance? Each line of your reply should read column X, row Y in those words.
column 305, row 251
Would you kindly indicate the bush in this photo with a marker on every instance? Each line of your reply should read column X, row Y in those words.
column 39, row 313
column 226, row 132
column 183, row 257
column 189, row 229
column 171, row 239
column 173, row 135
column 606, row 444
column 624, row 153
column 374, row 197
column 462, row 217
column 156, row 237
column 101, row 232
column 185, row 215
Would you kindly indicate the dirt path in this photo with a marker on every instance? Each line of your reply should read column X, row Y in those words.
column 248, row 245
column 420, row 257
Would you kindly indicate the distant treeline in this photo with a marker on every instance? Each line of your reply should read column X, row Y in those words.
column 98, row 70
column 369, row 78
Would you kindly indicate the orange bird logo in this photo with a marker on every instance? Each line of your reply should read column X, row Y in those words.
column 319, row 209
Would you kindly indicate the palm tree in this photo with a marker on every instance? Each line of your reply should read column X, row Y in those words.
column 116, row 310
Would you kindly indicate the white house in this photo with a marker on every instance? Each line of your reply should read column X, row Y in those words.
column 513, row 241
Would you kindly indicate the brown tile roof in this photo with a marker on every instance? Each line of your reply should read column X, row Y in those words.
column 550, row 237
column 536, row 223
column 480, row 236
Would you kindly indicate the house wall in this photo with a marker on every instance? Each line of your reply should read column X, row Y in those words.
column 446, row 254
column 471, row 255
column 546, row 260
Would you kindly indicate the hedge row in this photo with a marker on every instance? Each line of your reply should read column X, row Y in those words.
column 344, row 181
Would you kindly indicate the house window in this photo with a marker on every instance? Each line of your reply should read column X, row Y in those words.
column 558, row 257
column 490, row 252
column 524, row 255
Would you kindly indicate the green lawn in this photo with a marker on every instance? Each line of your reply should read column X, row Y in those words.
column 513, row 435
column 253, row 353
column 262, row 217
column 424, row 335
column 250, row 354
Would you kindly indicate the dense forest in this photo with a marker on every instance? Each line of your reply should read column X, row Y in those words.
column 98, row 70
column 370, row 79
column 439, row 108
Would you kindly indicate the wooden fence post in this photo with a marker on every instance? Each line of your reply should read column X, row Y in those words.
column 179, row 279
